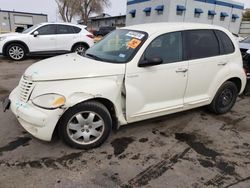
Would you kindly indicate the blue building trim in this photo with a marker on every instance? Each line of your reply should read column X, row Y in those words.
column 224, row 14
column 160, row 8
column 222, row 3
column 198, row 11
column 148, row 9
column 131, row 2
column 180, row 8
column 211, row 13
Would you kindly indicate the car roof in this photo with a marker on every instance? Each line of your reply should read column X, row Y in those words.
column 164, row 27
column 64, row 23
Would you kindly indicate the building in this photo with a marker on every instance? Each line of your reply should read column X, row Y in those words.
column 226, row 13
column 94, row 23
column 10, row 20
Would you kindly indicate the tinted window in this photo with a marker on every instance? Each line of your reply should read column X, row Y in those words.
column 167, row 46
column 47, row 30
column 76, row 29
column 201, row 44
column 65, row 29
column 226, row 43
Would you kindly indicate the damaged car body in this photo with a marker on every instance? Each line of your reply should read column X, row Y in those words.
column 133, row 74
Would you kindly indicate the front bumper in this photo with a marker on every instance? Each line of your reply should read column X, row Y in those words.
column 37, row 121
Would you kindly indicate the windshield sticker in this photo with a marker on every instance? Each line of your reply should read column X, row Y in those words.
column 122, row 55
column 135, row 35
column 134, row 43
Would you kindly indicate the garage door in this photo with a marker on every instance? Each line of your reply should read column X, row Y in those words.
column 24, row 20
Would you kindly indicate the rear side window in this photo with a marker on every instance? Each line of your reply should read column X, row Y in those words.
column 76, row 29
column 201, row 44
column 65, row 29
column 227, row 46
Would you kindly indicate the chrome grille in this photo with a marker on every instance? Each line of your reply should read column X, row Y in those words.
column 25, row 89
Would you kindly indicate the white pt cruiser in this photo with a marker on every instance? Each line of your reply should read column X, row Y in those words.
column 133, row 74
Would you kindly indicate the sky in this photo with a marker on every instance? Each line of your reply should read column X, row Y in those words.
column 50, row 7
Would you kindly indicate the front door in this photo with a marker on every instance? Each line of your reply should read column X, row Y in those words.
column 157, row 90
column 45, row 41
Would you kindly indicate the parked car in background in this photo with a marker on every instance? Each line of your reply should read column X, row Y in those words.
column 246, row 62
column 244, row 45
column 103, row 31
column 135, row 73
column 238, row 37
column 46, row 39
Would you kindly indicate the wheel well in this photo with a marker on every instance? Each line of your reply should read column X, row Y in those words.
column 82, row 43
column 111, row 108
column 14, row 42
column 108, row 104
column 237, row 82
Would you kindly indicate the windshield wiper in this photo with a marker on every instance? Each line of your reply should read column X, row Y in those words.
column 94, row 57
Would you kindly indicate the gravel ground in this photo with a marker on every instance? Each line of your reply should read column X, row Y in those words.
column 189, row 149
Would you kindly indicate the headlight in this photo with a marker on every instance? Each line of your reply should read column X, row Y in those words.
column 49, row 101
column 2, row 38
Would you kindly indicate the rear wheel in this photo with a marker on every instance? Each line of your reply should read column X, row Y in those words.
column 224, row 99
column 86, row 125
column 16, row 52
column 80, row 49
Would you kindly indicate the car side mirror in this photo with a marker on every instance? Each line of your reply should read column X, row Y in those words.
column 150, row 62
column 36, row 33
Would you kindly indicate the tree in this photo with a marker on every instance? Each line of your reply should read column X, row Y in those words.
column 246, row 15
column 68, row 9
column 91, row 6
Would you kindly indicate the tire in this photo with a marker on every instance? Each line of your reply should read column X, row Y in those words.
column 86, row 125
column 80, row 49
column 224, row 99
column 16, row 52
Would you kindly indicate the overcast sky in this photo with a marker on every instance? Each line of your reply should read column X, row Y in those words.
column 49, row 7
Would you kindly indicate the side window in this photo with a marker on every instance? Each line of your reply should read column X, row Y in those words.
column 47, row 30
column 76, row 29
column 64, row 29
column 167, row 46
column 226, row 43
column 201, row 44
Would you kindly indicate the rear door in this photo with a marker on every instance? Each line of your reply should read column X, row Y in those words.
column 204, row 52
column 66, row 35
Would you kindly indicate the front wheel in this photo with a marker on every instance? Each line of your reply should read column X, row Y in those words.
column 16, row 52
column 224, row 99
column 86, row 125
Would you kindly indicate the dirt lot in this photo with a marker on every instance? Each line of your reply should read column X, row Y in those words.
column 190, row 149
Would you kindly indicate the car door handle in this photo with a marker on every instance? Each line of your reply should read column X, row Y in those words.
column 222, row 63
column 181, row 70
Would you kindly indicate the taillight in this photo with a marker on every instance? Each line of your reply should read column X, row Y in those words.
column 90, row 36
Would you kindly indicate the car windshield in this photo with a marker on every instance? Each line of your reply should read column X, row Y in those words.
column 247, row 40
column 120, row 46
column 30, row 29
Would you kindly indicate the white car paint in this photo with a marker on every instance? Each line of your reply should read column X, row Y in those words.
column 47, row 43
column 136, row 93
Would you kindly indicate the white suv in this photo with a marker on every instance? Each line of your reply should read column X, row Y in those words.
column 46, row 39
column 133, row 74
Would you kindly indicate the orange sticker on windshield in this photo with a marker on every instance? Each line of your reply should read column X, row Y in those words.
column 134, row 43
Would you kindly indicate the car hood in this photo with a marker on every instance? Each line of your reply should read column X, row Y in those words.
column 10, row 34
column 71, row 66
column 244, row 45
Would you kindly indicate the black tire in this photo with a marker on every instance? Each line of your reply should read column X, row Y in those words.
column 80, row 48
column 224, row 99
column 16, row 57
column 71, row 114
